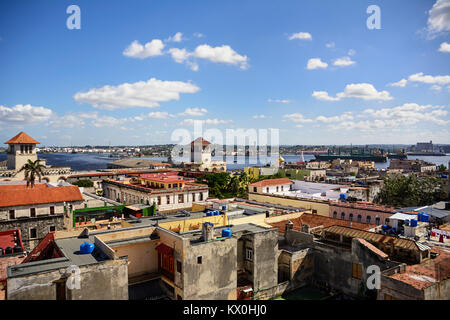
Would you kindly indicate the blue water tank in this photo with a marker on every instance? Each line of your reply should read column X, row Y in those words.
column 216, row 213
column 413, row 223
column 425, row 217
column 87, row 248
column 385, row 227
column 342, row 196
column 209, row 213
column 226, row 232
column 443, row 176
column 419, row 216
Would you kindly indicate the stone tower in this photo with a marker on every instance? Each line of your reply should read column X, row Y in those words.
column 21, row 149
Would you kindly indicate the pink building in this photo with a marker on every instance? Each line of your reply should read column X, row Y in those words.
column 364, row 212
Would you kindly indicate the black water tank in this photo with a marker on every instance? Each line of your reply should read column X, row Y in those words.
column 1, row 251
column 17, row 249
column 8, row 250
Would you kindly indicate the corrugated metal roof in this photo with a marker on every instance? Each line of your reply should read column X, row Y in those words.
column 374, row 237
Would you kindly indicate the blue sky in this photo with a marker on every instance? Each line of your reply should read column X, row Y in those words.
column 311, row 69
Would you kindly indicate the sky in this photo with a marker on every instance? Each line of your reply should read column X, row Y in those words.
column 134, row 72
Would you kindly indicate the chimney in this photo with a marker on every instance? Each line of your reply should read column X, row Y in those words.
column 207, row 231
column 289, row 226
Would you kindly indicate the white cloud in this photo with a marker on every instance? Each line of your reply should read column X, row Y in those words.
column 223, row 54
column 23, row 115
column 297, row 117
column 343, row 117
column 69, row 120
column 301, row 36
column 279, row 100
column 150, row 49
column 323, row 95
column 158, row 115
column 330, row 45
column 138, row 94
column 316, row 63
column 402, row 83
column 261, row 116
column 343, row 62
column 439, row 18
column 420, row 77
column 364, row 91
column 107, row 121
column 445, row 47
column 179, row 55
column 188, row 122
column 178, row 37
column 194, row 112
column 198, row 35
column 435, row 87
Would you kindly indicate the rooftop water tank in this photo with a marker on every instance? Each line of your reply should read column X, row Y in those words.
column 406, row 222
column 87, row 248
column 216, row 213
column 209, row 213
column 8, row 250
column 226, row 232
column 425, row 217
column 413, row 223
column 342, row 196
column 17, row 249
column 419, row 216
column 385, row 227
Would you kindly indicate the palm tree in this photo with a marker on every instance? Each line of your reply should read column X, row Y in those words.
column 32, row 169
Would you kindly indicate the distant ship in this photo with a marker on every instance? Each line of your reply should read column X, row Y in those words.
column 353, row 156
column 398, row 156
column 427, row 153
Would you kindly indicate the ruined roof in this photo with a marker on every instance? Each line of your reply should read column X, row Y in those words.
column 375, row 237
column 372, row 248
column 271, row 182
column 313, row 220
column 427, row 273
column 22, row 137
column 10, row 197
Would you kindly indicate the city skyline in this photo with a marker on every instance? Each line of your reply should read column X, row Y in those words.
column 133, row 73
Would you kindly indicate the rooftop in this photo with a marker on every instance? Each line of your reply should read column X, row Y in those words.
column 271, row 182
column 313, row 220
column 425, row 274
column 40, row 193
column 200, row 140
column 22, row 137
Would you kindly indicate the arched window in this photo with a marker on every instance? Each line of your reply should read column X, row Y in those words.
column 350, row 217
column 377, row 221
column 359, row 218
column 368, row 218
column 386, row 221
column 343, row 215
column 335, row 214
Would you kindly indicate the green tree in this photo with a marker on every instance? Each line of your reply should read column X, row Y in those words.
column 86, row 183
column 32, row 170
column 410, row 191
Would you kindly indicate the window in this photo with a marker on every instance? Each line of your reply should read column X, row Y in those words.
column 52, row 210
column 168, row 199
column 181, row 198
column 359, row 218
column 201, row 196
column 281, row 188
column 33, row 233
column 12, row 214
column 159, row 201
column 179, row 266
column 335, row 214
column 386, row 221
column 377, row 221
column 314, row 211
column 32, row 212
column 199, row 260
column 368, row 218
column 193, row 197
column 350, row 216
column 52, row 228
column 343, row 216
column 255, row 189
column 357, row 271
column 278, row 189
column 267, row 189
column 249, row 254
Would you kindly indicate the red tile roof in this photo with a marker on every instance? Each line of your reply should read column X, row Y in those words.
column 5, row 262
column 21, row 137
column 200, row 140
column 428, row 272
column 271, row 182
column 11, row 238
column 314, row 220
column 14, row 196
